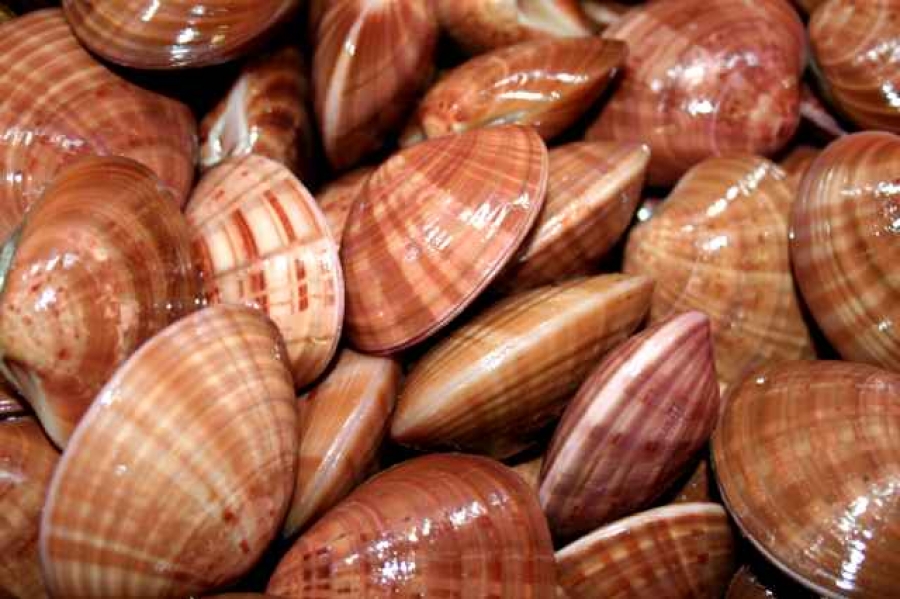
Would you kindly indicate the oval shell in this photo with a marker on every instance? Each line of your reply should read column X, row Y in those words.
column 336, row 199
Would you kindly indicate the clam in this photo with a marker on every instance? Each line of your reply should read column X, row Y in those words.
column 182, row 470
column 719, row 244
column 807, row 456
column 433, row 227
column 336, row 199
column 101, row 263
column 174, row 34
column 440, row 525
column 57, row 103
column 360, row 97
column 672, row 552
column 530, row 472
column 264, row 113
column 27, row 461
column 854, row 45
column 343, row 421
column 492, row 384
column 797, row 162
column 547, row 84
column 845, row 246
column 706, row 78
column 697, row 487
column 260, row 240
column 592, row 193
column 480, row 25
column 633, row 428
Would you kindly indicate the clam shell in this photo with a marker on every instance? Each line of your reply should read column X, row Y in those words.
column 434, row 227
column 697, row 487
column 57, row 103
column 592, row 192
column 638, row 421
column 845, row 246
column 706, row 78
column 672, row 552
column 343, row 421
column 719, row 244
column 815, row 114
column 480, row 25
column 499, row 379
column 27, row 461
column 102, row 262
column 852, row 43
column 797, row 162
column 745, row 585
column 336, row 199
column 264, row 113
column 360, row 97
column 530, row 472
column 174, row 34
column 440, row 525
column 807, row 456
column 547, row 84
column 260, row 240
column 183, row 468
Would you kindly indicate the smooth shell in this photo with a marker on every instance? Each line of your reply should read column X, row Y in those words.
column 57, row 103
column 183, row 468
column 102, row 262
column 433, row 227
column 336, row 199
column 807, row 456
column 260, row 240
column 845, row 246
column 440, row 525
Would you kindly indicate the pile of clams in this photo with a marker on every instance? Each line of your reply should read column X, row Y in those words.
column 478, row 299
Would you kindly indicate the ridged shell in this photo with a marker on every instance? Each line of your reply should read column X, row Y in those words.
column 57, row 103
column 807, row 455
column 592, row 193
column 854, row 44
column 434, row 227
column 361, row 97
column 343, row 421
column 27, row 460
column 797, row 162
column 264, row 113
column 440, row 525
column 336, row 199
column 706, row 78
column 102, row 262
column 845, row 246
column 480, row 25
column 499, row 379
column 633, row 427
column 183, row 468
column 719, row 244
column 546, row 84
column 260, row 240
column 174, row 34
column 672, row 552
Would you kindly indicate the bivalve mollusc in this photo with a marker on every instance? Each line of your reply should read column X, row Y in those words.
column 336, row 199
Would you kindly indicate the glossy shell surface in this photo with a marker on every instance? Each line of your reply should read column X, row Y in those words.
column 337, row 198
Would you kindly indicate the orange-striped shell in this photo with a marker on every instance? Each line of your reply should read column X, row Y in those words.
column 57, row 103
column 183, row 469
column 336, row 199
column 433, row 227
column 260, row 240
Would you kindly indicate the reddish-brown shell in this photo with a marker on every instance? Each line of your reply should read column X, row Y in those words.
column 845, row 246
column 706, row 78
column 57, row 103
column 336, row 199
column 433, row 227
column 101, row 263
column 454, row 525
column 698, row 487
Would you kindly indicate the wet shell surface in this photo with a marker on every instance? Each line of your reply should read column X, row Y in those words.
column 807, row 456
column 706, row 78
column 719, row 244
column 455, row 525
column 260, row 240
column 57, row 103
column 336, row 199
column 343, row 421
column 173, row 34
column 671, row 552
column 433, row 228
column 102, row 262
column 183, row 468
column 633, row 428
column 845, row 246
column 499, row 379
